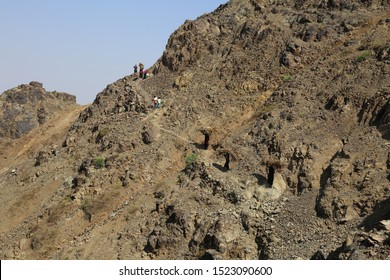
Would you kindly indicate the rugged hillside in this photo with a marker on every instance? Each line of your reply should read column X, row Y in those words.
column 26, row 107
column 300, row 88
column 33, row 124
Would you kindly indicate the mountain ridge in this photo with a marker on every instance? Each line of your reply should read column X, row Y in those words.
column 297, row 85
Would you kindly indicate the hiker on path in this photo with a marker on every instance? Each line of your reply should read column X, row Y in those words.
column 159, row 102
column 146, row 74
column 135, row 69
column 155, row 102
column 141, row 70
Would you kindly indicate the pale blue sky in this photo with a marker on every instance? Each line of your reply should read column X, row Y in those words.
column 80, row 46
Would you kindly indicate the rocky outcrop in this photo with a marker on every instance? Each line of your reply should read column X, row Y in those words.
column 376, row 112
column 28, row 106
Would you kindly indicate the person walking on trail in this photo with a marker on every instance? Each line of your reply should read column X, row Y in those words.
column 155, row 102
column 141, row 70
column 146, row 74
column 159, row 102
column 135, row 69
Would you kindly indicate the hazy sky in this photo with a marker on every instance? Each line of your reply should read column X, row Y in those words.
column 80, row 46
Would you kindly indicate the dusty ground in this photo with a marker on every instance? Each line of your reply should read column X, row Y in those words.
column 300, row 86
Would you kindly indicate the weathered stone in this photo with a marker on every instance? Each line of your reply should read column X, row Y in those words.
column 27, row 106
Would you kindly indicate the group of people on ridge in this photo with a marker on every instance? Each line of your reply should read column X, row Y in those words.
column 143, row 73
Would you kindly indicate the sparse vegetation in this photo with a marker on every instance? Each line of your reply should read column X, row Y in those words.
column 287, row 77
column 268, row 108
column 363, row 56
column 191, row 159
column 99, row 162
column 68, row 198
column 295, row 155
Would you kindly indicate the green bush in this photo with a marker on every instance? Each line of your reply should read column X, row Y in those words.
column 191, row 159
column 99, row 162
column 287, row 78
column 363, row 56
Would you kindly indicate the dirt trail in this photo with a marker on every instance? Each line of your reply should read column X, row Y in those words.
column 139, row 89
column 13, row 201
column 175, row 134
column 51, row 132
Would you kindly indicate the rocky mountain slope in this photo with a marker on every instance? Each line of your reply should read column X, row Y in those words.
column 296, row 92
column 26, row 107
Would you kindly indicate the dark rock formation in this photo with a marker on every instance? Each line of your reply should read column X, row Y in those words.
column 28, row 106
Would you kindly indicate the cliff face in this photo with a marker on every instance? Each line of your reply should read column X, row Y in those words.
column 27, row 106
column 294, row 93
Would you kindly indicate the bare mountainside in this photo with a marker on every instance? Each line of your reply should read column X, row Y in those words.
column 294, row 93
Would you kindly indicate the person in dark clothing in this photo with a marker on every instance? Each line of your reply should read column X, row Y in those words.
column 141, row 70
column 146, row 74
column 135, row 69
